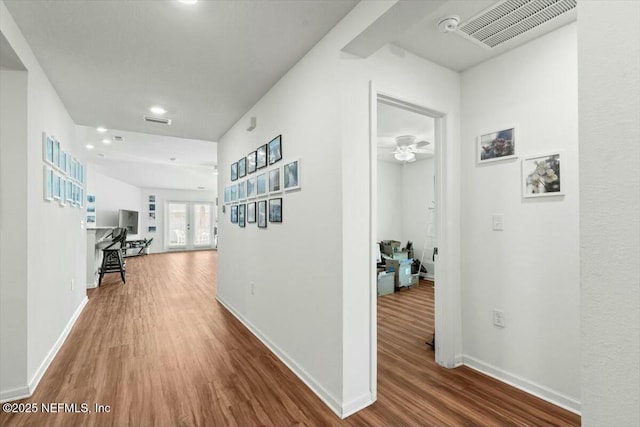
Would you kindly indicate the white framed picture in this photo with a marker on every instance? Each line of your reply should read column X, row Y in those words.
column 57, row 186
column 47, row 148
column 48, row 183
column 291, row 175
column 242, row 191
column 252, row 187
column 275, row 181
column 541, row 175
column 261, row 185
column 497, row 145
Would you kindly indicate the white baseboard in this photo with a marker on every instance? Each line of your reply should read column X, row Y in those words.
column 543, row 392
column 314, row 385
column 25, row 392
column 92, row 285
column 356, row 404
column 14, row 394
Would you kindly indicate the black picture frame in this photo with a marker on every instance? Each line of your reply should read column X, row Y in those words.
column 275, row 150
column 251, row 162
column 275, row 210
column 251, row 212
column 242, row 167
column 234, row 171
column 234, row 214
column 261, row 156
column 262, row 214
column 241, row 213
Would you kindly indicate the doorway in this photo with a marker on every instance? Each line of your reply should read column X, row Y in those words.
column 189, row 225
column 445, row 229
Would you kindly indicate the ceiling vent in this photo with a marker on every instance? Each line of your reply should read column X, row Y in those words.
column 159, row 120
column 512, row 18
column 117, row 138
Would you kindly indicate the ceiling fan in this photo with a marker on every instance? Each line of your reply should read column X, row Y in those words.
column 406, row 148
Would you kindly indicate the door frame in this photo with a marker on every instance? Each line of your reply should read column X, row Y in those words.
column 448, row 316
column 189, row 246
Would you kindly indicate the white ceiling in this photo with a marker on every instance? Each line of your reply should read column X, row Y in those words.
column 206, row 63
column 394, row 122
column 144, row 160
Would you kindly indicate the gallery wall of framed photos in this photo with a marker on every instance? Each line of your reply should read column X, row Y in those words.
column 64, row 175
column 260, row 182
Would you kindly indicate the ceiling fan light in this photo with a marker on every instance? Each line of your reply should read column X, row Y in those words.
column 404, row 156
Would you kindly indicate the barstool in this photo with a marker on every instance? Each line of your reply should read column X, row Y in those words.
column 112, row 258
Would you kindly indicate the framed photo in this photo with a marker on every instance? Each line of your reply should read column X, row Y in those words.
column 152, row 198
column 152, row 216
column 227, row 195
column 262, row 214
column 541, row 175
column 80, row 172
column 251, row 162
column 242, row 167
column 152, row 207
column 63, row 163
column 234, row 193
column 261, row 156
column 241, row 219
column 242, row 191
column 234, row 171
column 68, row 193
column 152, row 229
column 261, row 187
column 73, row 168
column 275, row 210
column 91, row 219
column 291, row 172
column 47, row 148
column 275, row 149
column 91, row 198
column 498, row 145
column 234, row 214
column 63, row 190
column 56, row 153
column 48, row 183
column 275, row 181
column 252, row 187
column 57, row 187
column 91, row 208
column 251, row 212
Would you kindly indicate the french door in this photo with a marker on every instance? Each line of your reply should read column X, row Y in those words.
column 189, row 225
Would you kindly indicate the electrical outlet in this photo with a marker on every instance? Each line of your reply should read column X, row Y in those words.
column 253, row 288
column 498, row 318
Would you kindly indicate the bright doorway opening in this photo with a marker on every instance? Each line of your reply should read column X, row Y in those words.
column 190, row 225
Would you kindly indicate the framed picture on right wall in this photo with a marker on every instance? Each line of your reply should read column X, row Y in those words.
column 541, row 175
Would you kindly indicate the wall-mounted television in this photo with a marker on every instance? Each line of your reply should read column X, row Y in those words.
column 129, row 220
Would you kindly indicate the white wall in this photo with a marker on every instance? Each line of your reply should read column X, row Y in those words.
column 531, row 269
column 13, row 229
column 609, row 89
column 113, row 195
column 312, row 304
column 389, row 202
column 162, row 197
column 55, row 238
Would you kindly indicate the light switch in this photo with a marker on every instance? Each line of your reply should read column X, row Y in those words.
column 498, row 222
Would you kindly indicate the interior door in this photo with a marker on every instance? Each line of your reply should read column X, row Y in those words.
column 189, row 225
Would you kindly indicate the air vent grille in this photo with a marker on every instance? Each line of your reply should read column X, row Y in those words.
column 159, row 120
column 512, row 18
column 118, row 138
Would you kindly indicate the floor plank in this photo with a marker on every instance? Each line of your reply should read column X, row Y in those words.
column 160, row 351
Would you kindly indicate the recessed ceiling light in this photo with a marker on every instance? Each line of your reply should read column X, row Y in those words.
column 157, row 110
column 89, row 146
column 106, row 141
column 101, row 129
column 200, row 188
column 100, row 155
column 173, row 159
column 188, row 1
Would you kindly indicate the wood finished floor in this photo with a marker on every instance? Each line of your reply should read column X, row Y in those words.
column 162, row 352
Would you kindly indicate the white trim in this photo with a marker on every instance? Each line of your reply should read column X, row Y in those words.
column 538, row 390
column 356, row 404
column 24, row 392
column 92, row 285
column 324, row 395
column 14, row 394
